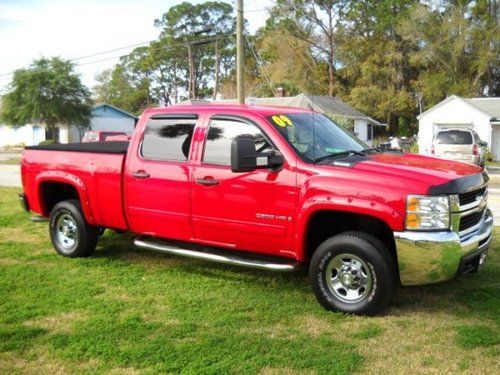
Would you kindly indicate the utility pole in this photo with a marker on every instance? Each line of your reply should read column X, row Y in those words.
column 240, row 88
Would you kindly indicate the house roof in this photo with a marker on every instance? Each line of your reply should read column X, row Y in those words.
column 489, row 106
column 116, row 109
column 320, row 103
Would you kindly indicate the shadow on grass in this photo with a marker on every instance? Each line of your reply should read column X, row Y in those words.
column 472, row 295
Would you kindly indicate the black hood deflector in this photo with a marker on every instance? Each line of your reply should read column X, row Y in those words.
column 461, row 185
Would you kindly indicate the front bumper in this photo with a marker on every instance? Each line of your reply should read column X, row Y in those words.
column 428, row 257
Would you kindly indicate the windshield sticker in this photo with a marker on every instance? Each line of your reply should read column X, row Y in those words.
column 282, row 121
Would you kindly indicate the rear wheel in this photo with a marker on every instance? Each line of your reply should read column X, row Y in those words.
column 70, row 234
column 353, row 272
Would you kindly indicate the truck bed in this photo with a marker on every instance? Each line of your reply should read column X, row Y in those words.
column 90, row 147
column 94, row 170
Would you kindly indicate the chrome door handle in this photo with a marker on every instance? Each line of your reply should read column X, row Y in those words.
column 207, row 181
column 140, row 174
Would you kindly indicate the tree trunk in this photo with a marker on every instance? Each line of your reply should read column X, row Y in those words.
column 175, row 81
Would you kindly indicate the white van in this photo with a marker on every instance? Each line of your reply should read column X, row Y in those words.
column 459, row 144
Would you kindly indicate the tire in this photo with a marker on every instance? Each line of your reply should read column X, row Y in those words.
column 70, row 234
column 353, row 272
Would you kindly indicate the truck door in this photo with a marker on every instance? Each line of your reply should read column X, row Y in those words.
column 157, row 189
column 248, row 211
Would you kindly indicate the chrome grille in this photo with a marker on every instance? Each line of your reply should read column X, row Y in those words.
column 470, row 210
column 471, row 196
column 469, row 221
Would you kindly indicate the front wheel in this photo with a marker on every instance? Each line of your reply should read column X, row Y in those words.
column 70, row 234
column 353, row 272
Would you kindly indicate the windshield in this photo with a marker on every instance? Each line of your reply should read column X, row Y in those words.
column 329, row 138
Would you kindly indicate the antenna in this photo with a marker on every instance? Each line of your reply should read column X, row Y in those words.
column 313, row 130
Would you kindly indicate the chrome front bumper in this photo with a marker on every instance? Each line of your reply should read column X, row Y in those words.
column 428, row 257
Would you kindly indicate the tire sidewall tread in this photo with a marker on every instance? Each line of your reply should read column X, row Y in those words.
column 376, row 256
column 87, row 235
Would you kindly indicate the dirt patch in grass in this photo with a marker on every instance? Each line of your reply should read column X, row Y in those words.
column 314, row 326
column 283, row 371
column 18, row 234
column 59, row 323
column 425, row 345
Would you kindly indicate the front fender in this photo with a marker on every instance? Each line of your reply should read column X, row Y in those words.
column 349, row 204
column 65, row 178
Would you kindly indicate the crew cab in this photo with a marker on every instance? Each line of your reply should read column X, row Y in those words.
column 273, row 188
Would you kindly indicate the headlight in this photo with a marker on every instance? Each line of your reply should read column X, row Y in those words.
column 427, row 213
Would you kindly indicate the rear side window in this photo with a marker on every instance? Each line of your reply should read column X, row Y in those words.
column 454, row 137
column 220, row 136
column 168, row 140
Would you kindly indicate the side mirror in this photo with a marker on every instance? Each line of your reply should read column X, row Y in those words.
column 244, row 156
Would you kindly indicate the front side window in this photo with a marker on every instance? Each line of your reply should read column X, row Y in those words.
column 314, row 136
column 220, row 136
column 454, row 137
column 167, row 140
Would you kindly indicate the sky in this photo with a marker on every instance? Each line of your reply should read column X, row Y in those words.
column 70, row 29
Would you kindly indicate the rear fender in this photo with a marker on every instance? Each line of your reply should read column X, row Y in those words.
column 69, row 179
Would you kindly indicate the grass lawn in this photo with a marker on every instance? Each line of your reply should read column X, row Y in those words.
column 125, row 310
column 11, row 161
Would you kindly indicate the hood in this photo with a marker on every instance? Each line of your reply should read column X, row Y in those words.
column 419, row 169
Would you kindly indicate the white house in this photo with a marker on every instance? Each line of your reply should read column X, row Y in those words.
column 329, row 105
column 103, row 117
column 480, row 114
column 29, row 135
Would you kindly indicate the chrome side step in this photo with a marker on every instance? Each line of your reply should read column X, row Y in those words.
column 39, row 219
column 218, row 258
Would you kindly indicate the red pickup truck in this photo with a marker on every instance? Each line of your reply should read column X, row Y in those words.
column 272, row 188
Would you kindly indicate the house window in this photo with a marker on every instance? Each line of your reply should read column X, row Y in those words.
column 369, row 132
column 49, row 134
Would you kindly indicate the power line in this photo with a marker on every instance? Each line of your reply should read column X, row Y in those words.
column 258, row 59
column 159, row 47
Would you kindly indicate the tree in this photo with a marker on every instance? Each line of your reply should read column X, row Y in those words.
column 200, row 34
column 118, row 88
column 49, row 92
column 315, row 22
column 375, row 63
column 458, row 51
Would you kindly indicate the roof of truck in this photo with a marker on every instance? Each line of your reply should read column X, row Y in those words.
column 218, row 107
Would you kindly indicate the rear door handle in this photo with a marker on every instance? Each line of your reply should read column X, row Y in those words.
column 140, row 174
column 207, row 181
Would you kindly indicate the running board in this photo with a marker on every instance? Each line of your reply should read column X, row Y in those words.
column 39, row 219
column 218, row 258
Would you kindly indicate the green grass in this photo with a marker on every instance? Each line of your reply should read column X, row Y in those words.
column 126, row 310
column 11, row 161
column 493, row 163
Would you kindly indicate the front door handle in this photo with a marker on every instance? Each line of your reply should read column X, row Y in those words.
column 140, row 174
column 207, row 181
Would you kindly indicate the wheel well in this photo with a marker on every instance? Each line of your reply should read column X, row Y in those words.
column 52, row 193
column 325, row 224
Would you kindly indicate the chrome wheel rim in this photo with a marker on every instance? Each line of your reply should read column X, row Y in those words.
column 66, row 231
column 349, row 278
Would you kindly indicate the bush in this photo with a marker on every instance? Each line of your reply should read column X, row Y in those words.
column 46, row 142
